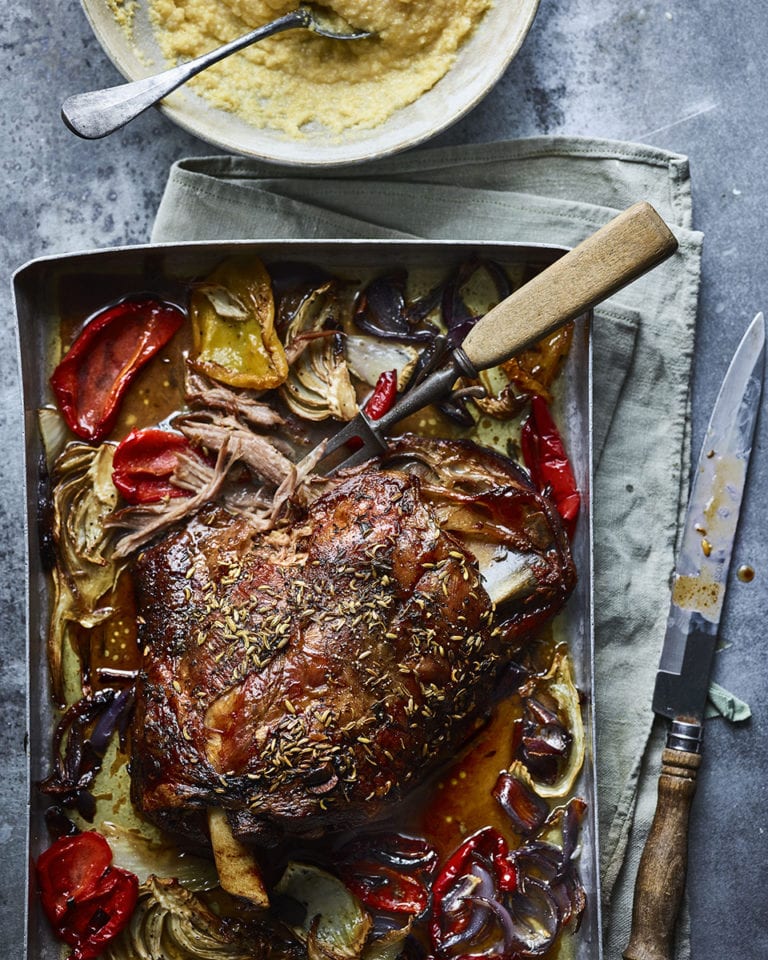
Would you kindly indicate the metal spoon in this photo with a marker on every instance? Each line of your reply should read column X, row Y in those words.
column 100, row 112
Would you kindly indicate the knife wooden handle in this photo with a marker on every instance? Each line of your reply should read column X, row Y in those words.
column 661, row 876
column 618, row 253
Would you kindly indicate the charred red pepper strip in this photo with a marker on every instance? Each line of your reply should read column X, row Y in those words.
column 383, row 396
column 489, row 849
column 384, row 888
column 389, row 871
column 544, row 455
column 87, row 901
column 144, row 462
column 379, row 402
column 488, row 845
column 92, row 379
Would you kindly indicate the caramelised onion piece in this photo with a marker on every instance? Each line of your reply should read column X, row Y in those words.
column 291, row 280
column 481, row 919
column 457, row 315
column 517, row 798
column 572, row 818
column 318, row 385
column 489, row 932
column 535, row 919
column 462, row 923
column 382, row 311
column 53, row 432
column 540, row 863
column 539, row 858
column 569, row 892
column 396, row 849
column 334, row 926
column 466, row 907
column 367, row 358
column 58, row 824
column 553, row 770
column 456, row 409
column 551, row 741
column 110, row 719
column 539, row 712
column 77, row 759
column 526, row 927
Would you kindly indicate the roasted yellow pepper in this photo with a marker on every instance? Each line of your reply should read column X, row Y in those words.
column 233, row 326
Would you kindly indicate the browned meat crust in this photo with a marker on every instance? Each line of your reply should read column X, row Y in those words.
column 308, row 679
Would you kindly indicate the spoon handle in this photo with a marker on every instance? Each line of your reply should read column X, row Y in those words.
column 97, row 113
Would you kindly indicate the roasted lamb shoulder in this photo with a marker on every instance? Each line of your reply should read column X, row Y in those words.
column 309, row 678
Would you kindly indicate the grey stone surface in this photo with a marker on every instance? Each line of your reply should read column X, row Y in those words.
column 687, row 76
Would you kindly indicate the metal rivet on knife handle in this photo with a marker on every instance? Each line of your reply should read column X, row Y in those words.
column 620, row 252
column 661, row 875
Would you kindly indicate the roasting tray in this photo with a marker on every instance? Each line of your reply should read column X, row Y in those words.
column 107, row 275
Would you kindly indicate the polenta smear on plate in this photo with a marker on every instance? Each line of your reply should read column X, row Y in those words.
column 297, row 81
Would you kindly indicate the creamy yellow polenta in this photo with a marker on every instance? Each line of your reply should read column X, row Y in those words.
column 297, row 79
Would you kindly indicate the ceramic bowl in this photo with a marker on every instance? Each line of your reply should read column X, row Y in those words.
column 479, row 64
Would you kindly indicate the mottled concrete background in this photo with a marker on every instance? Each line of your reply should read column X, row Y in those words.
column 688, row 76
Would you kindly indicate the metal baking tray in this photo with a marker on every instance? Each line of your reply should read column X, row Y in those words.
column 107, row 275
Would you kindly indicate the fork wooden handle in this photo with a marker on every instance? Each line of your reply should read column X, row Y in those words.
column 618, row 253
column 661, row 875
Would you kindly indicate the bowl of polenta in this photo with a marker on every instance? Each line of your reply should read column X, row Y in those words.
column 303, row 99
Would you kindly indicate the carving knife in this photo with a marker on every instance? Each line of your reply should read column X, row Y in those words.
column 698, row 591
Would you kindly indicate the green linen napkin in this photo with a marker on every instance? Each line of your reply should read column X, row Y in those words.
column 552, row 191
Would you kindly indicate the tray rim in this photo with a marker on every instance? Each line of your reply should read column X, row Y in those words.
column 220, row 248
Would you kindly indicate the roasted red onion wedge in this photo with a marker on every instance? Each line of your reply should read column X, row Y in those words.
column 517, row 798
column 457, row 316
column 552, row 745
column 78, row 756
column 382, row 311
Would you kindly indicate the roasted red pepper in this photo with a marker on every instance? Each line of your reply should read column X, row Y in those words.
column 379, row 887
column 379, row 402
column 87, row 901
column 389, row 871
column 544, row 455
column 91, row 925
column 143, row 464
column 383, row 396
column 70, row 870
column 92, row 379
column 485, row 852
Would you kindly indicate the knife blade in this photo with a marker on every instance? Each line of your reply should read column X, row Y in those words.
column 682, row 680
